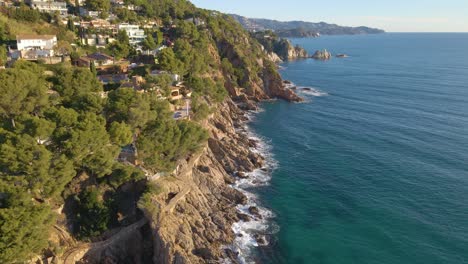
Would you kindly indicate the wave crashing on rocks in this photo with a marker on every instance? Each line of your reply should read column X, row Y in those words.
column 256, row 226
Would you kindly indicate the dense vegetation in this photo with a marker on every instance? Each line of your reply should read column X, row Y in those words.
column 47, row 138
column 60, row 137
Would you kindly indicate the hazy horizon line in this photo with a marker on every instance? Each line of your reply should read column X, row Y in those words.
column 338, row 24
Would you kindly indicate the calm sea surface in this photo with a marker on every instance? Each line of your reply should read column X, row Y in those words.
column 377, row 170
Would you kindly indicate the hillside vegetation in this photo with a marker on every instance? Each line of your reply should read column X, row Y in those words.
column 61, row 130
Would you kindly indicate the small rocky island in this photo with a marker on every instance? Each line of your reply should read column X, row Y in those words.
column 322, row 55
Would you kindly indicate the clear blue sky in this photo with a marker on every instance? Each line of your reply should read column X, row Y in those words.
column 391, row 15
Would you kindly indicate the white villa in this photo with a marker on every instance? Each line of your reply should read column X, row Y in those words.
column 135, row 34
column 36, row 42
column 49, row 6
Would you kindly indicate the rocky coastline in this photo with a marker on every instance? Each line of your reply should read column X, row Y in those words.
column 199, row 228
column 198, row 207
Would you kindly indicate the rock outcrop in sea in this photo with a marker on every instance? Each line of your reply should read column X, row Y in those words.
column 297, row 52
column 322, row 55
column 279, row 49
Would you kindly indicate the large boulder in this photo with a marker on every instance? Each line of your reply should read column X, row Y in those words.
column 322, row 55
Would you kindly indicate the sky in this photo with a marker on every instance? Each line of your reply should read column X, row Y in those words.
column 390, row 15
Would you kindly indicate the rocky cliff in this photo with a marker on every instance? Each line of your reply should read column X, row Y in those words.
column 189, row 219
column 279, row 49
column 274, row 57
column 197, row 206
column 192, row 215
column 296, row 52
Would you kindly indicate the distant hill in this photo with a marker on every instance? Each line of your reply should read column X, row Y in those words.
column 301, row 28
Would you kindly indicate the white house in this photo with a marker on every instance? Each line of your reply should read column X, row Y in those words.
column 134, row 33
column 36, row 42
column 36, row 46
column 49, row 6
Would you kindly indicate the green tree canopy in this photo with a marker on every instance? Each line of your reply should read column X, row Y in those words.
column 22, row 92
column 162, row 142
column 124, row 173
column 94, row 215
column 24, row 230
column 3, row 55
column 120, row 48
column 125, row 15
column 149, row 43
column 98, row 5
column 83, row 139
column 79, row 88
column 207, row 87
column 126, row 105
column 160, row 81
column 169, row 62
column 120, row 133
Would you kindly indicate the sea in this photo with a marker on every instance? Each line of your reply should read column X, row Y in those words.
column 373, row 166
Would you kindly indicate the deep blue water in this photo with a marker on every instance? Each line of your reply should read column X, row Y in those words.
column 377, row 171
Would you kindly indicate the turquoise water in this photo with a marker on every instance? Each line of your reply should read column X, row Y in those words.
column 377, row 170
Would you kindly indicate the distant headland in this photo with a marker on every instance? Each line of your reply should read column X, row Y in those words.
column 301, row 29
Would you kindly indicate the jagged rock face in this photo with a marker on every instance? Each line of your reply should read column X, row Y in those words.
column 274, row 57
column 296, row 53
column 197, row 206
column 275, row 87
column 322, row 55
column 287, row 51
column 203, row 206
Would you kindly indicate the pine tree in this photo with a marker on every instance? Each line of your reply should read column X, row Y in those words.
column 71, row 24
column 149, row 43
column 92, row 68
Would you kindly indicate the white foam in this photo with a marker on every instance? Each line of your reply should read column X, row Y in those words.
column 245, row 241
column 311, row 91
column 289, row 85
